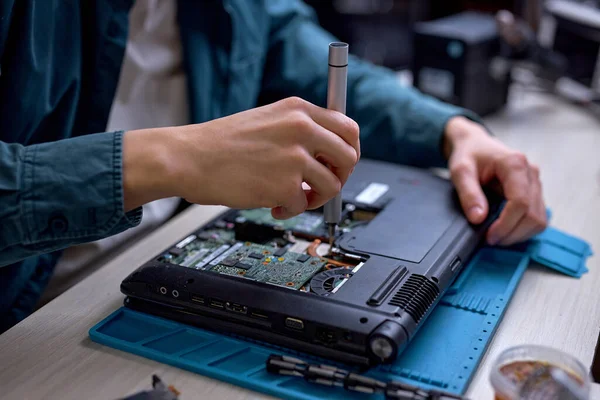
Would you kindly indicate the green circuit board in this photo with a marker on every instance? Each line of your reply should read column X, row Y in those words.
column 196, row 252
column 216, row 252
column 222, row 249
column 262, row 264
column 305, row 222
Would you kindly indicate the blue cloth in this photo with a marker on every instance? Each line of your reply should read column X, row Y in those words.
column 61, row 174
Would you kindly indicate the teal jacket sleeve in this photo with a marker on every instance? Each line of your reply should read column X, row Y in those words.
column 397, row 123
column 58, row 194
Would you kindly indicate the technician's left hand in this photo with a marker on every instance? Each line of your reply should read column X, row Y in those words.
column 475, row 158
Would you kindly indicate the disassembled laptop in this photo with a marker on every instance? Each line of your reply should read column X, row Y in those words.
column 401, row 242
column 251, row 244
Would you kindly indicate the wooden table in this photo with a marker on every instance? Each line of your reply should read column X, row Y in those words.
column 49, row 355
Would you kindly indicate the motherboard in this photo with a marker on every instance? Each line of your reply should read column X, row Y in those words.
column 270, row 265
column 251, row 244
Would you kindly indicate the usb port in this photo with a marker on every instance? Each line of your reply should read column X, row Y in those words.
column 216, row 303
column 258, row 315
column 326, row 335
column 294, row 323
column 197, row 299
column 236, row 308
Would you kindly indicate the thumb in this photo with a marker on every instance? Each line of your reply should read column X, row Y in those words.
column 465, row 178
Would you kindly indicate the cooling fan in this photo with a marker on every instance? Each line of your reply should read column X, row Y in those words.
column 327, row 282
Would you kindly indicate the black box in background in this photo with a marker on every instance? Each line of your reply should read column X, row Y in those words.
column 577, row 37
column 452, row 60
column 379, row 31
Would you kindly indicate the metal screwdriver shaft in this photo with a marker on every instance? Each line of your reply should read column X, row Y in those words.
column 336, row 100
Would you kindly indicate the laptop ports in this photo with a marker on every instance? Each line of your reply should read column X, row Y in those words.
column 197, row 299
column 294, row 323
column 236, row 308
column 216, row 303
column 326, row 336
column 258, row 315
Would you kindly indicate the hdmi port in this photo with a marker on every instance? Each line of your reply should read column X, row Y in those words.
column 216, row 303
column 258, row 315
column 198, row 299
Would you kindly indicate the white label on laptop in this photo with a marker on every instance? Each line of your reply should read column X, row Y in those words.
column 372, row 193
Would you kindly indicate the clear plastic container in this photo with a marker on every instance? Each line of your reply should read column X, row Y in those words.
column 512, row 374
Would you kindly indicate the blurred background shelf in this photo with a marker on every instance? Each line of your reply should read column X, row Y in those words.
column 381, row 30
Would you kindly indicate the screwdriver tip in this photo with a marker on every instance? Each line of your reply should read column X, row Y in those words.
column 331, row 229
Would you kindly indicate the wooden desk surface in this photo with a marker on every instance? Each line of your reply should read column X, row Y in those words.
column 49, row 355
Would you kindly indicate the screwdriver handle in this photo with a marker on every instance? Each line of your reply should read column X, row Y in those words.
column 336, row 100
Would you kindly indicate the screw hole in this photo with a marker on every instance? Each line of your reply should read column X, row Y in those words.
column 433, row 278
column 489, row 323
column 460, row 377
column 501, row 299
column 476, row 348
column 470, row 358
column 190, row 281
column 466, row 367
column 481, row 340
column 497, row 306
column 493, row 315
column 364, row 320
column 485, row 331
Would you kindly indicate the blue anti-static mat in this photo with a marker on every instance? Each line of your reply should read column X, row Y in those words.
column 444, row 354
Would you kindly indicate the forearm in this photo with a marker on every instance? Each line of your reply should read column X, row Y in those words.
column 398, row 123
column 148, row 166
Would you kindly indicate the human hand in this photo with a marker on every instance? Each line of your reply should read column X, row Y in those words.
column 256, row 158
column 475, row 158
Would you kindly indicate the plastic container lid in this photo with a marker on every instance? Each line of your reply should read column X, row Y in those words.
column 538, row 371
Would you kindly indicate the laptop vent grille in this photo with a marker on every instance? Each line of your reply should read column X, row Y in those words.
column 415, row 296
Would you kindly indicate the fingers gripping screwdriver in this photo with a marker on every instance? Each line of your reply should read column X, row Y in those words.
column 336, row 100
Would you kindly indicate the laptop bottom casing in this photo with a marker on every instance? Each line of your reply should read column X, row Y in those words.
column 407, row 230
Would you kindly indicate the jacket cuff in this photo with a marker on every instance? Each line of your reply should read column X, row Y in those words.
column 73, row 191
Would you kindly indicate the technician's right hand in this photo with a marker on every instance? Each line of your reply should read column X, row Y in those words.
column 256, row 158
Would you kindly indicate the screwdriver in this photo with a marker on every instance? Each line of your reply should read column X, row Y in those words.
column 332, row 376
column 336, row 100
